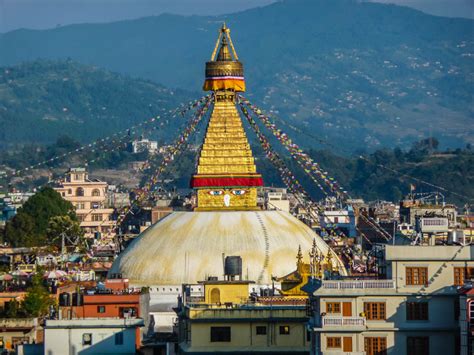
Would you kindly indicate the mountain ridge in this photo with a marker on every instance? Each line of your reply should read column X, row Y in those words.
column 367, row 74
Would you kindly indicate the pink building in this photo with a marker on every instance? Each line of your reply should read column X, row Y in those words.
column 89, row 197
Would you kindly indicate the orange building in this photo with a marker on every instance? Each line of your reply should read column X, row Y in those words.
column 116, row 301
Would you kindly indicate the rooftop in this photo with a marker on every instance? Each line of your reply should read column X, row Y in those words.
column 428, row 253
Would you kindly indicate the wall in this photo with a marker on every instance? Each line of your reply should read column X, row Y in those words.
column 64, row 341
column 243, row 335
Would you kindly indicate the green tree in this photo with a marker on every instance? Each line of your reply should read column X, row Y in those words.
column 20, row 231
column 29, row 226
column 59, row 225
column 37, row 300
column 12, row 309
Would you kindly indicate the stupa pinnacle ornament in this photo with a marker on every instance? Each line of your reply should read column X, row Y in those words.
column 224, row 71
column 226, row 176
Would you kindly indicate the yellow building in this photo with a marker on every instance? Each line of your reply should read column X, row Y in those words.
column 226, row 320
column 413, row 311
column 89, row 197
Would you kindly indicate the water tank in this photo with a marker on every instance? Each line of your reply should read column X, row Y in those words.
column 64, row 299
column 233, row 266
column 77, row 299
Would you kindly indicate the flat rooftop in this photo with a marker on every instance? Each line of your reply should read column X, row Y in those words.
column 429, row 252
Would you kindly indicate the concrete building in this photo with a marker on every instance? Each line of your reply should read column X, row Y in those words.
column 276, row 198
column 343, row 219
column 89, row 197
column 466, row 318
column 226, row 320
column 144, row 145
column 91, row 336
column 16, row 331
column 410, row 210
column 414, row 309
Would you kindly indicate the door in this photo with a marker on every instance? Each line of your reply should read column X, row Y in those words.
column 347, row 344
column 346, row 309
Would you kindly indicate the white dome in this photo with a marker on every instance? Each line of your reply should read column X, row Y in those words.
column 186, row 247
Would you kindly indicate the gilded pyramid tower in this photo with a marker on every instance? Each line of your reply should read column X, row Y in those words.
column 226, row 177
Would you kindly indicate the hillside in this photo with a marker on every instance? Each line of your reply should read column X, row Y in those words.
column 363, row 74
column 42, row 100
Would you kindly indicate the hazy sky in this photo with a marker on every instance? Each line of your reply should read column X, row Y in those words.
column 41, row 14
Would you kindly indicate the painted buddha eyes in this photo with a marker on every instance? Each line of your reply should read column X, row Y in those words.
column 237, row 192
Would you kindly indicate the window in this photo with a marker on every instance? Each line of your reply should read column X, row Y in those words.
column 333, row 342
column 80, row 205
column 96, row 192
column 119, row 338
column 417, row 276
column 79, row 191
column 333, row 307
column 220, row 334
column 261, row 330
column 417, row 310
column 96, row 217
column 375, row 346
column 100, row 309
column 418, row 346
column 87, row 339
column 284, row 329
column 374, row 310
column 69, row 191
column 461, row 274
column 80, row 217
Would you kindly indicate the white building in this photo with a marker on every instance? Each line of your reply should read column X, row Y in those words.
column 143, row 145
column 413, row 311
column 276, row 199
column 91, row 336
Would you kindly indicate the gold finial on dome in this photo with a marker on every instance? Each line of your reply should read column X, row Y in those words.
column 224, row 54
column 224, row 71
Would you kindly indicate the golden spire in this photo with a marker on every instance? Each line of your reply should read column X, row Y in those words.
column 224, row 54
column 226, row 177
column 224, row 71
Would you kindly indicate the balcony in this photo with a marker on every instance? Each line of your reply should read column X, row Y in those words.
column 338, row 321
column 343, row 324
column 358, row 284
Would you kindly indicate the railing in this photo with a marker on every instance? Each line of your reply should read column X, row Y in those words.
column 358, row 284
column 335, row 321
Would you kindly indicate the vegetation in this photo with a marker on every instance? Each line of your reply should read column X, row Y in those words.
column 35, row 304
column 37, row 300
column 364, row 74
column 62, row 98
column 30, row 226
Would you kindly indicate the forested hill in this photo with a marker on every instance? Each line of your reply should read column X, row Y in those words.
column 360, row 73
column 42, row 100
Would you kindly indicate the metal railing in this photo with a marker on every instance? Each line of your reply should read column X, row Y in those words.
column 339, row 321
column 357, row 284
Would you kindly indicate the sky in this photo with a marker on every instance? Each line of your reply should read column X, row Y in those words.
column 42, row 14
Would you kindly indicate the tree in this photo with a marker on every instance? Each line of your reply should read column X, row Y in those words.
column 59, row 225
column 37, row 300
column 12, row 308
column 20, row 231
column 28, row 227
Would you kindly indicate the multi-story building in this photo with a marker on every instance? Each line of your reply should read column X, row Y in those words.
column 226, row 320
column 91, row 336
column 143, row 144
column 414, row 310
column 466, row 317
column 89, row 197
